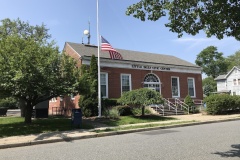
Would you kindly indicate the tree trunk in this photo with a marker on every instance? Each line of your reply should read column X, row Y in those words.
column 22, row 105
column 28, row 113
column 143, row 110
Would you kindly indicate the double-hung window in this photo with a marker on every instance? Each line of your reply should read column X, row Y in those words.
column 191, row 87
column 126, row 82
column 175, row 87
column 104, row 84
column 234, row 82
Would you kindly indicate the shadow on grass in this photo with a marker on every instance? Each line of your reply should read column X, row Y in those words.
column 14, row 126
column 123, row 120
column 234, row 152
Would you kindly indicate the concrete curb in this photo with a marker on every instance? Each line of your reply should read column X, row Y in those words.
column 104, row 134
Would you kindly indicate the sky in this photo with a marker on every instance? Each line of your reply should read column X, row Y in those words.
column 67, row 19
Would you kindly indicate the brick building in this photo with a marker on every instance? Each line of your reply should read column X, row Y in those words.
column 169, row 75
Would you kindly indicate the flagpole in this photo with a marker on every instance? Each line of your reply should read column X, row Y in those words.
column 99, row 83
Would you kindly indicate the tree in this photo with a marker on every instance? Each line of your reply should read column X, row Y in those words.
column 209, row 85
column 140, row 98
column 212, row 62
column 89, row 96
column 215, row 17
column 31, row 67
column 233, row 60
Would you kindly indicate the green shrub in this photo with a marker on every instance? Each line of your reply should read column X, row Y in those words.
column 188, row 100
column 109, row 102
column 221, row 103
column 114, row 113
column 86, row 112
column 237, row 102
column 140, row 98
column 124, row 110
column 138, row 111
column 9, row 103
column 89, row 106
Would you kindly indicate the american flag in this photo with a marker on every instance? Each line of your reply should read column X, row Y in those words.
column 106, row 46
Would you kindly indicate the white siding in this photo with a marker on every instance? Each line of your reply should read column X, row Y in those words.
column 235, row 74
column 221, row 85
column 229, row 84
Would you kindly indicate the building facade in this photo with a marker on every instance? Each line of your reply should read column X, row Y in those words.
column 172, row 77
column 230, row 82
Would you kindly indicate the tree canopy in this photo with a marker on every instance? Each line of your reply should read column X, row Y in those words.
column 212, row 62
column 209, row 85
column 32, row 68
column 216, row 17
column 233, row 60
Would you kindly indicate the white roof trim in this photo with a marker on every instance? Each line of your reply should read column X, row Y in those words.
column 235, row 67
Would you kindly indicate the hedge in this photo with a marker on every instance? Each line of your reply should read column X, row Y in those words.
column 9, row 103
column 222, row 103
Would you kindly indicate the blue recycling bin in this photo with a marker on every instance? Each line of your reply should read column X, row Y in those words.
column 76, row 117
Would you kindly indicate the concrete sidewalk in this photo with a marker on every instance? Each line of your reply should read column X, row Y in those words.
column 183, row 120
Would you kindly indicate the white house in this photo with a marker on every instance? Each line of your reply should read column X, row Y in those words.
column 230, row 82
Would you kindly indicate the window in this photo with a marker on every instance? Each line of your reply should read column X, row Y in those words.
column 234, row 82
column 151, row 81
column 126, row 82
column 104, row 84
column 238, row 81
column 54, row 99
column 72, row 96
column 191, row 87
column 175, row 87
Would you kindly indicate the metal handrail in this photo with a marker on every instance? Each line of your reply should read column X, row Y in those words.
column 170, row 105
column 182, row 104
column 158, row 106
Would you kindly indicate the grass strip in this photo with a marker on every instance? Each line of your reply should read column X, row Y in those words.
column 142, row 126
column 123, row 120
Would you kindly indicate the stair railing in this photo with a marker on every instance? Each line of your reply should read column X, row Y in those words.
column 182, row 104
column 170, row 105
column 161, row 107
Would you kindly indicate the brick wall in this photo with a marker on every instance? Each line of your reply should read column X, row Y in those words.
column 137, row 77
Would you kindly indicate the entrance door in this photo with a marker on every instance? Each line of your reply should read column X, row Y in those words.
column 151, row 81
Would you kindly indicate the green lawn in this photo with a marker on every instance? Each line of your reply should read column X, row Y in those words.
column 136, row 119
column 13, row 126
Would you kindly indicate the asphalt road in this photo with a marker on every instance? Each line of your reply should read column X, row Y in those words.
column 201, row 142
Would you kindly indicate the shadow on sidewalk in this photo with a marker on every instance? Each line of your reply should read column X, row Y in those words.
column 45, row 136
column 93, row 121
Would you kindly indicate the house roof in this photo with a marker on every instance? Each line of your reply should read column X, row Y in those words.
column 221, row 77
column 89, row 50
